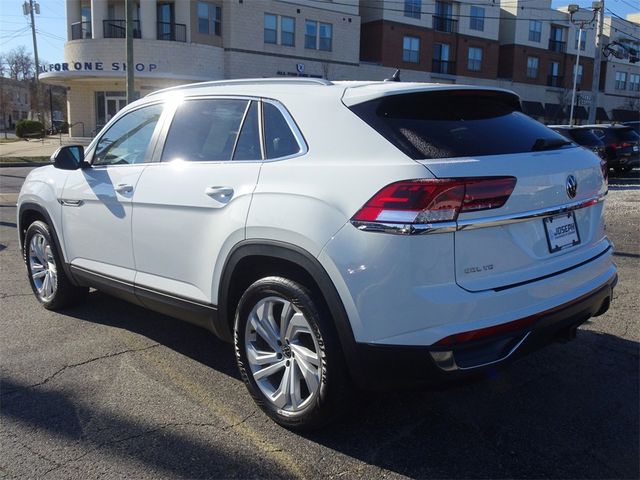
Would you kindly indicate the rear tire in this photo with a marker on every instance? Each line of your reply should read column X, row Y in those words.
column 289, row 355
column 47, row 278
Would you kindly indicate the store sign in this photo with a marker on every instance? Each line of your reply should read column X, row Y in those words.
column 95, row 67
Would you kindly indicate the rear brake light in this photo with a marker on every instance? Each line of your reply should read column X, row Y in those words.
column 435, row 200
column 616, row 146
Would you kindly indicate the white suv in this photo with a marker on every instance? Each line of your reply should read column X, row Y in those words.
column 366, row 234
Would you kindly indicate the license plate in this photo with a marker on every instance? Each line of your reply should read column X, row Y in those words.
column 562, row 231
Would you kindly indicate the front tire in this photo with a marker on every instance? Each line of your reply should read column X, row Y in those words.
column 288, row 354
column 47, row 278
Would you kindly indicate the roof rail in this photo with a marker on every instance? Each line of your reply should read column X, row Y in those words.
column 248, row 81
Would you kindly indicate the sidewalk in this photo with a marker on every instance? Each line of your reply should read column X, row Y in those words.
column 25, row 153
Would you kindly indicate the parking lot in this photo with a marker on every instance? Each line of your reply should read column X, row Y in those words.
column 110, row 389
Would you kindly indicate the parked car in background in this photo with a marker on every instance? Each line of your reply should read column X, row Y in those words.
column 369, row 234
column 622, row 145
column 583, row 137
column 634, row 125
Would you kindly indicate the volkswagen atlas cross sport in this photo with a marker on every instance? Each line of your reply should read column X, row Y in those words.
column 348, row 234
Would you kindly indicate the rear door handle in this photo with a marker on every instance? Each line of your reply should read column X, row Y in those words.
column 123, row 188
column 221, row 194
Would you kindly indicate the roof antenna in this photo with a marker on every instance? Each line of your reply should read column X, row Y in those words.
column 395, row 77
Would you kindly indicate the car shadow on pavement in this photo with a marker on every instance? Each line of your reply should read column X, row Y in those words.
column 182, row 337
column 188, row 450
column 567, row 411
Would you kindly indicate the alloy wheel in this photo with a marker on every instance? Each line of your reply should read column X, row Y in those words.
column 42, row 267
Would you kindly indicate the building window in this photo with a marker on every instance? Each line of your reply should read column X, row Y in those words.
column 411, row 50
column 310, row 34
column 287, row 31
column 443, row 20
column 326, row 36
column 579, row 76
column 270, row 28
column 209, row 19
column 634, row 82
column 318, row 35
column 476, row 22
column 583, row 39
column 532, row 67
column 441, row 63
column 556, row 40
column 474, row 59
column 412, row 8
column 554, row 79
column 535, row 30
column 621, row 80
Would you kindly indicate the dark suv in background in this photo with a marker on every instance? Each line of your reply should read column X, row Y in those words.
column 622, row 145
column 583, row 137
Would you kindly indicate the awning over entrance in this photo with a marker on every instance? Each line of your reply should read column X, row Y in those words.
column 580, row 112
column 535, row 109
column 621, row 115
column 554, row 113
column 601, row 115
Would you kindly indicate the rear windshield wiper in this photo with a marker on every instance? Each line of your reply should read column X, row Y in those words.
column 549, row 144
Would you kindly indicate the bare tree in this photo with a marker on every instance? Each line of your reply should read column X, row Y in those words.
column 20, row 63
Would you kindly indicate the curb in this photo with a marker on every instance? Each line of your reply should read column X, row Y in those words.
column 24, row 164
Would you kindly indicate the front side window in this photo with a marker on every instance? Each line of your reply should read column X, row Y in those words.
column 532, row 67
column 621, row 80
column 412, row 8
column 126, row 141
column 476, row 21
column 287, row 31
column 270, row 28
column 474, row 60
column 204, row 130
column 310, row 34
column 535, row 30
column 209, row 19
column 326, row 37
column 411, row 49
column 279, row 140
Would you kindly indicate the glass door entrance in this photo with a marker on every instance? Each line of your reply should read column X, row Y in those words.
column 107, row 105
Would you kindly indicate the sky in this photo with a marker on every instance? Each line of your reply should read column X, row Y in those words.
column 52, row 32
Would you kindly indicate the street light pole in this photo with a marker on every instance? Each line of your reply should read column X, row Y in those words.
column 573, row 9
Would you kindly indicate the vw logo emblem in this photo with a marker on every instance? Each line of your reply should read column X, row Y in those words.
column 572, row 186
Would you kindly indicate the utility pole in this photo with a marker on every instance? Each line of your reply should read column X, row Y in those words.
column 595, row 85
column 33, row 9
column 129, row 21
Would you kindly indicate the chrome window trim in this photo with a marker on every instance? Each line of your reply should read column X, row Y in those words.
column 474, row 223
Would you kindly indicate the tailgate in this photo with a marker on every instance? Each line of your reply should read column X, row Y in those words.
column 540, row 230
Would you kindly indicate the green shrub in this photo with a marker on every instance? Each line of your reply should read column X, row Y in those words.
column 28, row 128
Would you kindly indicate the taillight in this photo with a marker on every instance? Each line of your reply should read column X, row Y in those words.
column 435, row 200
column 617, row 146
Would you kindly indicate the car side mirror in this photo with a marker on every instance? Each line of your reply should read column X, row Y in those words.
column 69, row 157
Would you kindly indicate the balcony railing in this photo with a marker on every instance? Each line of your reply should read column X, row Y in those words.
column 443, row 66
column 175, row 32
column 445, row 24
column 557, row 46
column 555, row 81
column 118, row 28
column 80, row 30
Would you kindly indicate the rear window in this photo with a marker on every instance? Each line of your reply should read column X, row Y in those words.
column 626, row 134
column 458, row 123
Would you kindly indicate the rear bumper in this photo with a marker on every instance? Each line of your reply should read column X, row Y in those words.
column 394, row 366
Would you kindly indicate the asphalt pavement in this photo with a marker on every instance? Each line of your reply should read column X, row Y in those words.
column 107, row 389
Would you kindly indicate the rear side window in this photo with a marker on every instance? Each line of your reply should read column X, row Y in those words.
column 248, row 145
column 458, row 123
column 204, row 130
column 278, row 138
column 586, row 137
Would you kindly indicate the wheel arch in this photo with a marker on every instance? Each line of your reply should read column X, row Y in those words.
column 253, row 259
column 28, row 213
